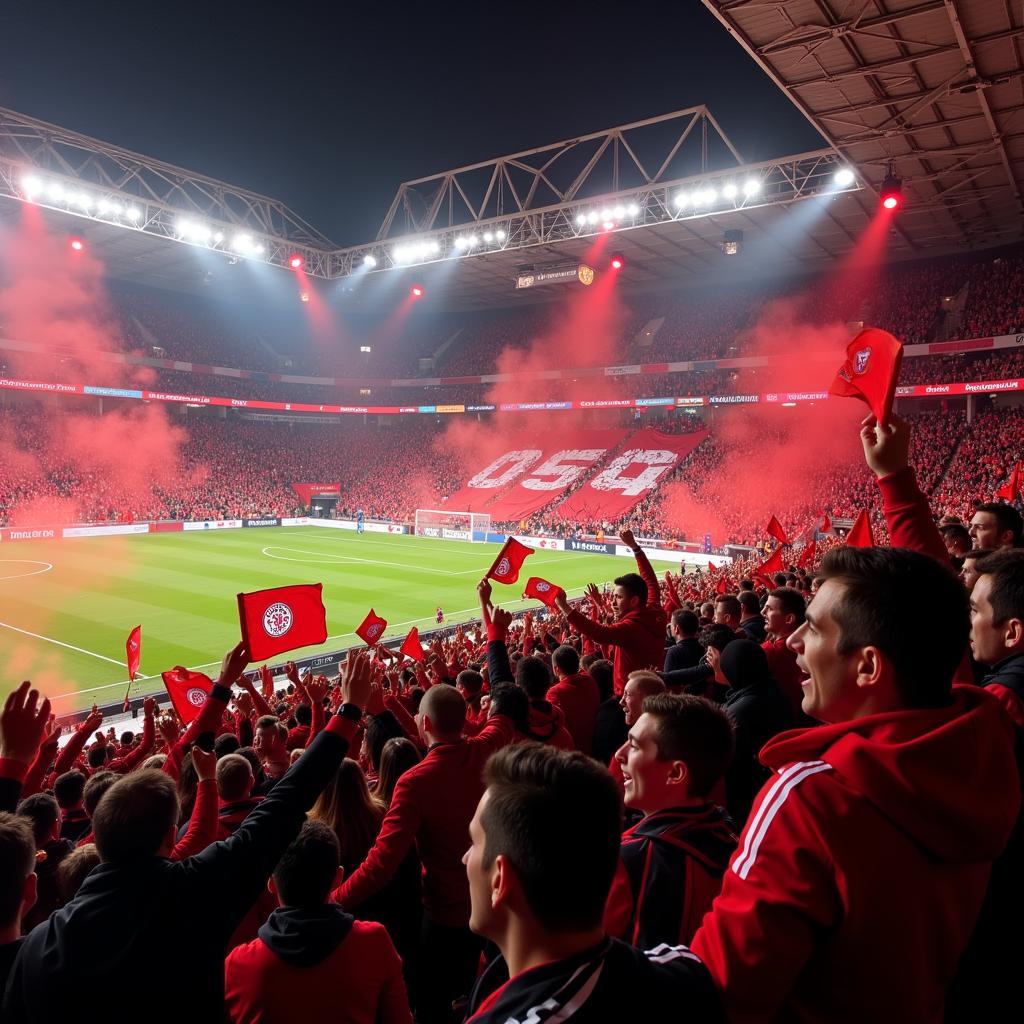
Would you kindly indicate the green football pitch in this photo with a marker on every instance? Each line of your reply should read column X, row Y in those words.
column 66, row 607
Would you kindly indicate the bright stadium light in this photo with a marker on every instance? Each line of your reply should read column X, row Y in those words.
column 500, row 234
column 581, row 219
column 705, row 197
column 218, row 236
column 55, row 190
column 416, row 291
column 296, row 262
column 488, row 236
column 31, row 185
column 620, row 212
column 592, row 217
column 844, row 178
column 730, row 191
column 632, row 209
column 606, row 214
column 682, row 199
column 134, row 213
column 77, row 244
column 369, row 261
column 751, row 187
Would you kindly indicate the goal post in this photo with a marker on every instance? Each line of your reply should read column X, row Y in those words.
column 446, row 525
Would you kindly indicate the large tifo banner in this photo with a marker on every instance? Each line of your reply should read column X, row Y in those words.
column 629, row 477
column 532, row 472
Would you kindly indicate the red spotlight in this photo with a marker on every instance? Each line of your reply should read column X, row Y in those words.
column 618, row 261
column 417, row 291
column 891, row 192
column 295, row 261
column 77, row 244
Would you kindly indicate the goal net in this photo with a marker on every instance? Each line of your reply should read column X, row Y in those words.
column 471, row 526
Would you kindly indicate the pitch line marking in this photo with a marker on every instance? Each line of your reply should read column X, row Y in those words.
column 26, row 561
column 71, row 647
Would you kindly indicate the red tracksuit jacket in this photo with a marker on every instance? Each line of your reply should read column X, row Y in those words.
column 579, row 699
column 433, row 804
column 862, row 869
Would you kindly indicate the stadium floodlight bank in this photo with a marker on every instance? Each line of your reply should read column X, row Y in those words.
column 471, row 526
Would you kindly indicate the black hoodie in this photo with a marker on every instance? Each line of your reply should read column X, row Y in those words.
column 304, row 936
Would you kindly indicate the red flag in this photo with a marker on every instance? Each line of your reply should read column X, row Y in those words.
column 826, row 526
column 1010, row 491
column 773, row 563
column 411, row 646
column 133, row 652
column 722, row 586
column 870, row 372
column 774, row 529
column 860, row 533
column 188, row 691
column 371, row 629
column 267, row 681
column 281, row 619
column 542, row 591
column 509, row 561
column 807, row 555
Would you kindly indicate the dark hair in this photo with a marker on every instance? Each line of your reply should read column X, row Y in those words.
column 792, row 602
column 749, row 602
column 127, row 737
column 73, row 870
column 733, row 608
column 17, row 862
column 717, row 635
column 43, row 813
column 534, row 676
column 780, row 579
column 303, row 714
column 979, row 553
column 634, row 585
column 234, row 777
column 924, row 641
column 1007, row 518
column 566, row 659
column 695, row 731
column 97, row 755
column 226, row 743
column 346, row 807
column 306, row 871
column 96, row 785
column 135, row 816
column 379, row 730
column 249, row 753
column 1006, row 567
column 956, row 533
column 272, row 722
column 68, row 789
column 746, row 584
column 556, row 816
column 470, row 680
column 602, row 671
column 686, row 622
column 397, row 757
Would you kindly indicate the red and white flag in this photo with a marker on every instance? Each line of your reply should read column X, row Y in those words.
column 281, row 619
column 860, row 533
column 545, row 592
column 188, row 691
column 509, row 561
column 371, row 629
column 871, row 371
column 411, row 646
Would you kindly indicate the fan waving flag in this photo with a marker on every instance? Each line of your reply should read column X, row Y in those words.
column 509, row 561
column 282, row 619
column 543, row 591
column 860, row 533
column 774, row 529
column 870, row 372
column 133, row 652
column 188, row 691
column 807, row 555
column 371, row 629
column 411, row 646
column 826, row 526
column 1010, row 491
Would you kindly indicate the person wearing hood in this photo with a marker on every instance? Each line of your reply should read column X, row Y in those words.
column 311, row 958
column 758, row 711
column 638, row 634
column 864, row 864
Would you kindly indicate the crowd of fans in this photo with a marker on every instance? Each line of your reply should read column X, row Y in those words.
column 772, row 791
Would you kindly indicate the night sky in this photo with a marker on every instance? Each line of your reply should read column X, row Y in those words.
column 330, row 106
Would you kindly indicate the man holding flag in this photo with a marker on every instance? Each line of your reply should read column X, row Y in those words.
column 638, row 634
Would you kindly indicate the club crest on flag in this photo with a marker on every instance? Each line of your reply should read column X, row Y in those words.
column 196, row 697
column 543, row 586
column 277, row 619
column 374, row 630
column 861, row 360
column 503, row 567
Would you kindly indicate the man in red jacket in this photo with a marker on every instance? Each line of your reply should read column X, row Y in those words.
column 432, row 806
column 784, row 614
column 576, row 694
column 312, row 960
column 863, row 866
column 638, row 634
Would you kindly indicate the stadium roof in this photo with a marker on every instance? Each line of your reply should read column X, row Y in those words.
column 933, row 89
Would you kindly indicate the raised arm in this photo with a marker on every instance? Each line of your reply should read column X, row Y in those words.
column 643, row 566
column 23, row 723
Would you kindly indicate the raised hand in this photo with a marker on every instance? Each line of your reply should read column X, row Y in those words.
column 886, row 445
column 23, row 723
column 316, row 690
column 205, row 763
column 94, row 721
column 293, row 673
column 627, row 538
column 233, row 664
column 243, row 702
column 356, row 679
column 375, row 702
column 502, row 619
column 149, row 707
column 483, row 590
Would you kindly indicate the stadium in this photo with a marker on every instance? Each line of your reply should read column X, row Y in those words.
column 554, row 440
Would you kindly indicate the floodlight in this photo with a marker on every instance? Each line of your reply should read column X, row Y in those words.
column 844, row 178
column 295, row 261
column 369, row 261
column 730, row 191
column 751, row 187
